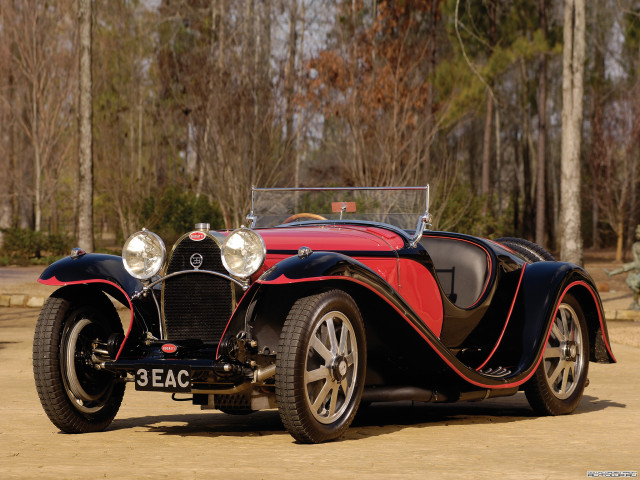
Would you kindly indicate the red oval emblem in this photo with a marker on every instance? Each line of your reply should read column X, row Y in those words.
column 197, row 236
column 169, row 348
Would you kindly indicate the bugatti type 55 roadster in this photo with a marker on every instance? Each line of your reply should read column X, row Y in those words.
column 329, row 300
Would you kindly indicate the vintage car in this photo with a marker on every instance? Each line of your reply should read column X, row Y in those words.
column 331, row 299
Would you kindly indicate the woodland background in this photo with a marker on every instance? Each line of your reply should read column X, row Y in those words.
column 194, row 101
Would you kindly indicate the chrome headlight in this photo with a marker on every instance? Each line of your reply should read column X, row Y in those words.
column 143, row 254
column 243, row 253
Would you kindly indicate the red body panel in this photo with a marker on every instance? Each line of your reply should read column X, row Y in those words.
column 410, row 279
column 331, row 238
column 420, row 290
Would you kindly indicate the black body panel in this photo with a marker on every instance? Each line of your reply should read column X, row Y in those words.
column 91, row 267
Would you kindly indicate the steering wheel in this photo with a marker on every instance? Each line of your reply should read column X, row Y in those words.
column 296, row 216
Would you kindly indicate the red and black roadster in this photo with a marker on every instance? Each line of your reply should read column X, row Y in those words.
column 329, row 300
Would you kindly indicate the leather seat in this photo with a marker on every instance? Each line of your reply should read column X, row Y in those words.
column 462, row 268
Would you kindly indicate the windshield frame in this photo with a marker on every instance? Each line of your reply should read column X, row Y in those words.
column 423, row 220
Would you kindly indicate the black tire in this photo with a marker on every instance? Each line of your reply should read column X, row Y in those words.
column 558, row 383
column 320, row 370
column 76, row 397
column 530, row 251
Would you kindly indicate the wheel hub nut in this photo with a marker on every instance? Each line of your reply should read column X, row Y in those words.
column 339, row 368
column 570, row 351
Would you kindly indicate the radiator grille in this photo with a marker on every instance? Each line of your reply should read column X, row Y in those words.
column 196, row 305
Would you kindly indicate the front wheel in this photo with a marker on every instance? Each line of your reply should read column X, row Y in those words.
column 557, row 386
column 76, row 396
column 320, row 366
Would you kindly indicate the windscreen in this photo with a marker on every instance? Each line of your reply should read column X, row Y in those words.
column 397, row 206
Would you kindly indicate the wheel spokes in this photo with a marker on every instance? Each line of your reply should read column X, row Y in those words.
column 553, row 376
column 565, row 380
column 344, row 337
column 552, row 352
column 334, row 400
column 330, row 368
column 555, row 330
column 321, row 349
column 345, row 386
column 321, row 373
column 331, row 331
column 349, row 359
column 565, row 327
column 322, row 396
column 563, row 355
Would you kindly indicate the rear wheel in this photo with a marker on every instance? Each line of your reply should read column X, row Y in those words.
column 320, row 366
column 76, row 396
column 557, row 386
column 532, row 252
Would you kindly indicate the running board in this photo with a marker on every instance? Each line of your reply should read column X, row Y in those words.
column 498, row 372
column 417, row 394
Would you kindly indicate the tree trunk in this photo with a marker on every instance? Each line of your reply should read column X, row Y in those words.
column 498, row 162
column 85, row 140
column 5, row 191
column 571, row 248
column 6, row 156
column 542, row 134
column 431, row 68
column 289, row 74
column 620, row 241
column 598, row 150
column 633, row 203
column 298, row 142
column 486, row 149
column 528, row 154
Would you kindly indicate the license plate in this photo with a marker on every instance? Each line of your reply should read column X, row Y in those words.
column 163, row 379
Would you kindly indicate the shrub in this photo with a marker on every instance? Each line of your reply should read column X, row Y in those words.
column 20, row 243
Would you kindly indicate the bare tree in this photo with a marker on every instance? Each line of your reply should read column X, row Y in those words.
column 486, row 148
column 41, row 56
column 542, row 132
column 85, row 160
column 573, row 56
column 5, row 136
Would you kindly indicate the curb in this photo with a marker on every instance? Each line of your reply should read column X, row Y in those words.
column 21, row 300
column 622, row 315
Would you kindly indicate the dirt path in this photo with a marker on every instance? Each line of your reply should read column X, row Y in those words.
column 154, row 437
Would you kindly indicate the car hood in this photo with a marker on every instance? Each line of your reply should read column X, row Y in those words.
column 331, row 238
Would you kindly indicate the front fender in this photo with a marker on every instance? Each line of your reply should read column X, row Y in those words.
column 316, row 266
column 330, row 266
column 93, row 268
column 105, row 271
column 294, row 277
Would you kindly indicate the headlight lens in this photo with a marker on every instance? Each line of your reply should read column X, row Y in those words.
column 243, row 252
column 143, row 254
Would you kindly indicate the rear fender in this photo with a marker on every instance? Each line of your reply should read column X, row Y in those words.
column 544, row 285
